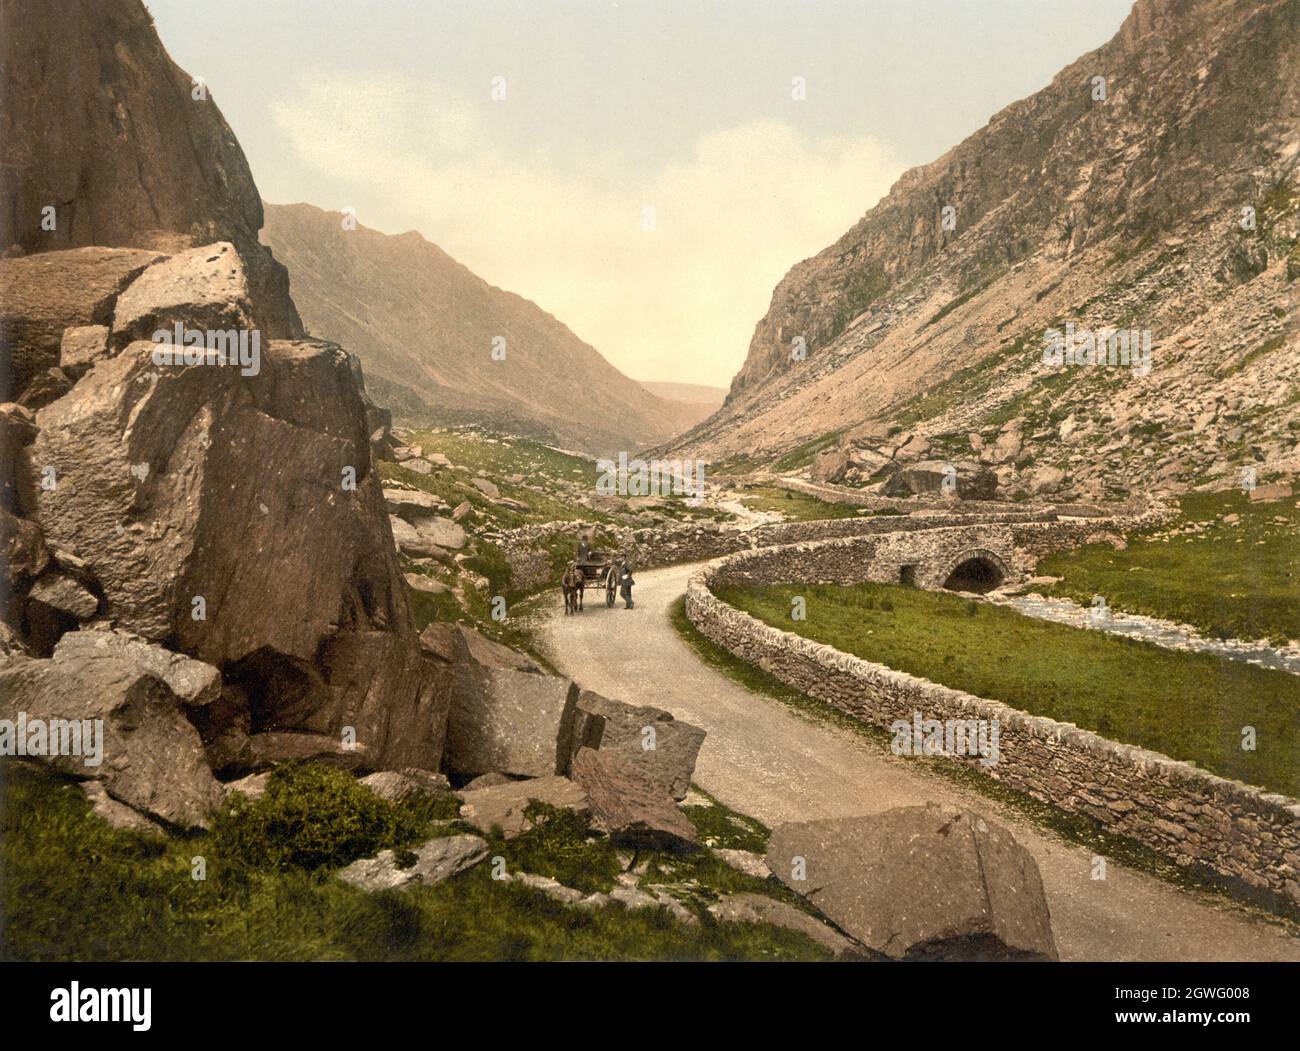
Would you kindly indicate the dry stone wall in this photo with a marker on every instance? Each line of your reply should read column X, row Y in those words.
column 1242, row 834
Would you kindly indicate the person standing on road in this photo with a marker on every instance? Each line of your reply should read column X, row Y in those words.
column 625, row 583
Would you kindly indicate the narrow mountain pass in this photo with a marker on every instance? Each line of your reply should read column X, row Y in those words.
column 777, row 764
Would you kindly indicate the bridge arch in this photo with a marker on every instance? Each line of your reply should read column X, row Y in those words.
column 975, row 569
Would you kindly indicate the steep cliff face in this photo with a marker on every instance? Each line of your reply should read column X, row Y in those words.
column 101, row 126
column 424, row 327
column 1107, row 202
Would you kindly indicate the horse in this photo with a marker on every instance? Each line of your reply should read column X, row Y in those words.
column 572, row 584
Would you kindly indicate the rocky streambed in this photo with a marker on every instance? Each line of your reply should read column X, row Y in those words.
column 1152, row 629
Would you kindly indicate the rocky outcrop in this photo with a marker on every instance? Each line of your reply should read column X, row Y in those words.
column 632, row 808
column 120, row 722
column 920, row 883
column 130, row 154
column 663, row 748
column 932, row 313
column 509, row 721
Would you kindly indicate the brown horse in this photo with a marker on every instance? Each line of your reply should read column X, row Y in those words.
column 572, row 584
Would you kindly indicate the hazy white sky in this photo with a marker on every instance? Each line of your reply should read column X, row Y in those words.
column 682, row 105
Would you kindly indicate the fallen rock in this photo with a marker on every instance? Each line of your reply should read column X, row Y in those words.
column 149, row 755
column 1264, row 494
column 920, row 883
column 443, row 532
column 509, row 721
column 396, row 786
column 154, row 463
column 394, row 699
column 118, row 815
column 203, row 289
column 457, row 643
column 651, row 739
column 549, row 886
column 411, row 505
column 419, row 582
column 46, row 386
column 503, row 805
column 56, row 604
column 435, row 862
column 959, row 478
column 755, row 908
column 634, row 809
column 194, row 683
column 81, row 347
column 487, row 488
column 43, row 294
column 487, row 781
column 253, row 786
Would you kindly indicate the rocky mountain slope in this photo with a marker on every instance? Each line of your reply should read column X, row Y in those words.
column 126, row 154
column 1115, row 204
column 424, row 327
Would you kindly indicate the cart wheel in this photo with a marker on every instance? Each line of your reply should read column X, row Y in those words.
column 611, row 588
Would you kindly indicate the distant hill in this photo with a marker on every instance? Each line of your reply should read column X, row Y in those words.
column 698, row 401
column 424, row 328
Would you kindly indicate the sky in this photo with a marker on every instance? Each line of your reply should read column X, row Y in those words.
column 641, row 170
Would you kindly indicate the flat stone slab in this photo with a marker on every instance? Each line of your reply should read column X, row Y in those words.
column 634, row 809
column 920, row 883
column 435, row 862
column 503, row 805
column 755, row 908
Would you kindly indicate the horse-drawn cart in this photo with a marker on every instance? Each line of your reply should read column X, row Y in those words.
column 601, row 573
column 595, row 571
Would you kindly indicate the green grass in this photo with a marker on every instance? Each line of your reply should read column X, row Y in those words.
column 1190, row 706
column 797, row 507
column 1228, row 581
column 803, row 455
column 76, row 889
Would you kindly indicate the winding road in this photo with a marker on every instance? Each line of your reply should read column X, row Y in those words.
column 777, row 764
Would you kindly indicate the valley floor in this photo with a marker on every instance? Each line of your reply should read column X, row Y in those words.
column 767, row 760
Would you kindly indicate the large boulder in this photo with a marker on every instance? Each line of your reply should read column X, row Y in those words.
column 395, row 700
column 962, row 479
column 920, row 883
column 662, row 747
column 635, row 810
column 41, row 295
column 154, row 464
column 99, row 122
column 202, row 288
column 151, row 757
column 510, row 721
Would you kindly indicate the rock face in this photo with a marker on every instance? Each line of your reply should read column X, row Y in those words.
column 509, row 721
column 42, row 295
column 635, row 810
column 920, row 883
column 127, row 155
column 155, row 465
column 151, row 756
column 649, row 738
column 940, row 328
column 435, row 861
column 395, row 699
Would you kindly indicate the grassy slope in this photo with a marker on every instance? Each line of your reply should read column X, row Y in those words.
column 1186, row 705
column 798, row 507
column 1230, row 581
column 76, row 889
